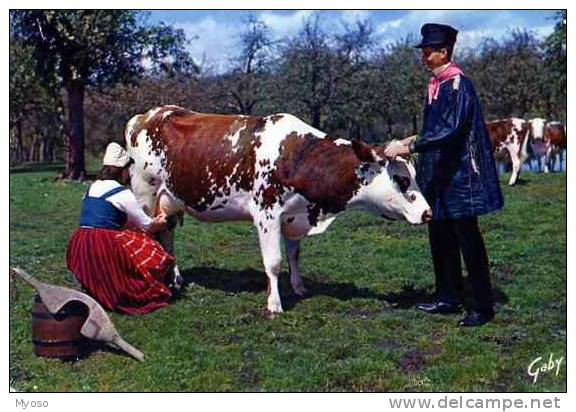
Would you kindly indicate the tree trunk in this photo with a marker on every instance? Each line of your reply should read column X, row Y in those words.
column 19, row 143
column 315, row 116
column 357, row 132
column 49, row 149
column 33, row 157
column 389, row 133
column 349, row 130
column 75, row 165
column 45, row 149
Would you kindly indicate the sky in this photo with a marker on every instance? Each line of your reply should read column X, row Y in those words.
column 214, row 34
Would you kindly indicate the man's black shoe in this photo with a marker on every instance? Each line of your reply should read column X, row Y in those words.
column 476, row 319
column 440, row 307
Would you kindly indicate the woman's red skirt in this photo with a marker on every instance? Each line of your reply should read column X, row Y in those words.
column 124, row 270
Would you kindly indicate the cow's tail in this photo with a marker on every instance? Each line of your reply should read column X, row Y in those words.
column 131, row 132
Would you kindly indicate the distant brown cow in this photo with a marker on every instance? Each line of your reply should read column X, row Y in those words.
column 510, row 136
column 550, row 144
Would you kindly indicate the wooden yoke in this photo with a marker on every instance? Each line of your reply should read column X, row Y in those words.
column 97, row 326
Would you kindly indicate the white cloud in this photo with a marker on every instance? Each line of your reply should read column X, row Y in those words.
column 473, row 26
column 216, row 42
column 412, row 21
column 285, row 25
column 388, row 26
column 543, row 31
column 472, row 38
column 352, row 16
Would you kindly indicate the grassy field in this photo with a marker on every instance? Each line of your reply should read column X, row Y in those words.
column 356, row 331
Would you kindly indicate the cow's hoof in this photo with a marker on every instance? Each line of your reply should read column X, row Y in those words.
column 273, row 310
column 300, row 290
column 176, row 288
column 271, row 315
column 177, row 282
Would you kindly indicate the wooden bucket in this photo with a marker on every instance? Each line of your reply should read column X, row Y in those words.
column 58, row 335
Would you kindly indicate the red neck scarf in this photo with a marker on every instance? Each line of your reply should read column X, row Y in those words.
column 450, row 72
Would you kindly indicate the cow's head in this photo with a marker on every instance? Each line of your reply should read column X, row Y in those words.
column 388, row 187
column 537, row 128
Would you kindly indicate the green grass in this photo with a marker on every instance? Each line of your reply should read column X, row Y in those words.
column 358, row 329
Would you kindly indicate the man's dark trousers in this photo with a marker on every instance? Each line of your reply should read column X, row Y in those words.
column 447, row 239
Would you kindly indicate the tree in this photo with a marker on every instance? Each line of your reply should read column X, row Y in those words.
column 305, row 67
column 556, row 64
column 108, row 110
column 94, row 47
column 510, row 75
column 23, row 86
column 317, row 67
column 402, row 84
column 351, row 104
column 34, row 108
column 250, row 67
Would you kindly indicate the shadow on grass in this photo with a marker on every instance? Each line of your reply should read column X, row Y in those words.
column 254, row 281
column 38, row 167
column 410, row 296
column 521, row 181
column 88, row 348
column 57, row 168
column 91, row 347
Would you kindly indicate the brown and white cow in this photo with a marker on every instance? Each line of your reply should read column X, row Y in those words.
column 548, row 141
column 510, row 136
column 278, row 172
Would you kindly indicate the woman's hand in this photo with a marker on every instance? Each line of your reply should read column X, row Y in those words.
column 160, row 223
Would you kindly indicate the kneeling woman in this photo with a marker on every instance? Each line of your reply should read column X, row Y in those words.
column 113, row 254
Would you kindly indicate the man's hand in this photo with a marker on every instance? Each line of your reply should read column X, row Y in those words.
column 397, row 148
column 410, row 139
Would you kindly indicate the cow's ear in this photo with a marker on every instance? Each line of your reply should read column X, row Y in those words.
column 363, row 151
column 379, row 154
